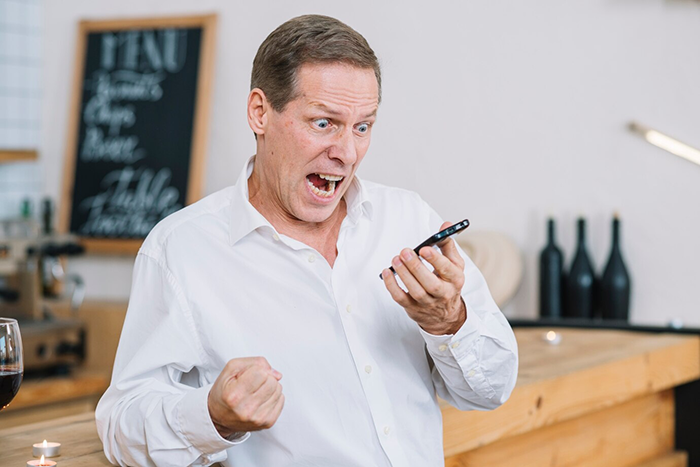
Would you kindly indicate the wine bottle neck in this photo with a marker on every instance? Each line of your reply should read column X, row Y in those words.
column 616, row 234
column 550, row 231
column 581, row 233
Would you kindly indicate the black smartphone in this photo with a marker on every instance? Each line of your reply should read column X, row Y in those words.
column 437, row 238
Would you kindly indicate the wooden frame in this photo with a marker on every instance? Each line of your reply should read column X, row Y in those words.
column 200, row 125
column 18, row 155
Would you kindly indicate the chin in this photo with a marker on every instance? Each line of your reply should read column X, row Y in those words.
column 311, row 208
column 317, row 214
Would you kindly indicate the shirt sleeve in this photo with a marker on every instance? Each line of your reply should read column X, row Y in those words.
column 155, row 411
column 477, row 367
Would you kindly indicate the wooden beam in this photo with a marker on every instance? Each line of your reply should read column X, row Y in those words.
column 622, row 436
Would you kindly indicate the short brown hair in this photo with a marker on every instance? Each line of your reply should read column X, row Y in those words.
column 307, row 39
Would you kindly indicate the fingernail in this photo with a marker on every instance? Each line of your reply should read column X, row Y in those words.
column 396, row 261
column 427, row 253
column 277, row 374
column 407, row 254
column 385, row 273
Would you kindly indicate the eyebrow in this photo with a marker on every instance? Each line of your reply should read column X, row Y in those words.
column 373, row 113
column 333, row 112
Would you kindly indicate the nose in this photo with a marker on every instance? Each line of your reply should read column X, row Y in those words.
column 344, row 148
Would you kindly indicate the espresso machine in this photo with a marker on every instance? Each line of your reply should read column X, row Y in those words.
column 32, row 282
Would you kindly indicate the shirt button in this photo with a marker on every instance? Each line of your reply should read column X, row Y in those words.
column 387, row 430
column 348, row 308
column 455, row 345
column 312, row 258
column 368, row 369
column 276, row 237
column 442, row 348
column 471, row 373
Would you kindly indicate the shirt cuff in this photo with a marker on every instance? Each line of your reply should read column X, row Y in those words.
column 459, row 343
column 461, row 351
column 196, row 424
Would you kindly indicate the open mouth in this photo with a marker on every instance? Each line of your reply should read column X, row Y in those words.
column 324, row 185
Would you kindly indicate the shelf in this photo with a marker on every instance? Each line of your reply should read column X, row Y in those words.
column 18, row 155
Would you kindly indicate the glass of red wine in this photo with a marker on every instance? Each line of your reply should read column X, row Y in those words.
column 11, row 361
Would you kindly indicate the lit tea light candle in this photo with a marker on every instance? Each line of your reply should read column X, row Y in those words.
column 552, row 338
column 40, row 463
column 46, row 449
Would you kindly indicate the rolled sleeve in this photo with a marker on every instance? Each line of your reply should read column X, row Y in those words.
column 150, row 415
column 477, row 367
column 196, row 425
column 457, row 356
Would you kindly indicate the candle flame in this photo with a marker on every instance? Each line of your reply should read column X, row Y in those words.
column 551, row 335
column 42, row 461
column 45, row 444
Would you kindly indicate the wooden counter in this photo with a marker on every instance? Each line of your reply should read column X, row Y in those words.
column 600, row 398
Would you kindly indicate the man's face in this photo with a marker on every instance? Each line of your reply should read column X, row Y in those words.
column 309, row 153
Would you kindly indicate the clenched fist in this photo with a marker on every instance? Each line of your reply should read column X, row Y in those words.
column 247, row 396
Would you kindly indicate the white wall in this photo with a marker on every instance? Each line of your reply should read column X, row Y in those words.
column 20, row 101
column 498, row 111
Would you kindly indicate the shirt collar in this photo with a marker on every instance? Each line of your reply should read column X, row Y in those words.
column 358, row 201
column 244, row 218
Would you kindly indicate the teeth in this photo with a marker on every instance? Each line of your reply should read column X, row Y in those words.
column 332, row 178
column 324, row 193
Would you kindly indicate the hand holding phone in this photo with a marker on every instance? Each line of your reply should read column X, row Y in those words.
column 437, row 238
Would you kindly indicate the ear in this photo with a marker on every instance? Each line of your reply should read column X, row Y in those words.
column 258, row 106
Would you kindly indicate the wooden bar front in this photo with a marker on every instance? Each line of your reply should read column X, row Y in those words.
column 599, row 398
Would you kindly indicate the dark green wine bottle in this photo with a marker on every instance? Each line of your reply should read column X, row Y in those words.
column 580, row 281
column 47, row 216
column 551, row 277
column 615, row 285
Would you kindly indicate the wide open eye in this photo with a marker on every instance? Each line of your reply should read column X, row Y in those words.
column 363, row 127
column 322, row 123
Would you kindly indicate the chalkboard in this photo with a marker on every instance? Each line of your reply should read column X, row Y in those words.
column 138, row 126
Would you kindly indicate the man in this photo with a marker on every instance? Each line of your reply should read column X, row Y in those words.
column 277, row 275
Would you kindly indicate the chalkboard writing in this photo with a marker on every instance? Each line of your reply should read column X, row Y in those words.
column 133, row 152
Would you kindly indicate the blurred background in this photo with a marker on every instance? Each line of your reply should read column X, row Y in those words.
column 503, row 112
column 508, row 113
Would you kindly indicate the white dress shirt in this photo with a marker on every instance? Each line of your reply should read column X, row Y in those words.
column 215, row 281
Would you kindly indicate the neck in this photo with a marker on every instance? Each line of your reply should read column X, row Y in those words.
column 321, row 236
